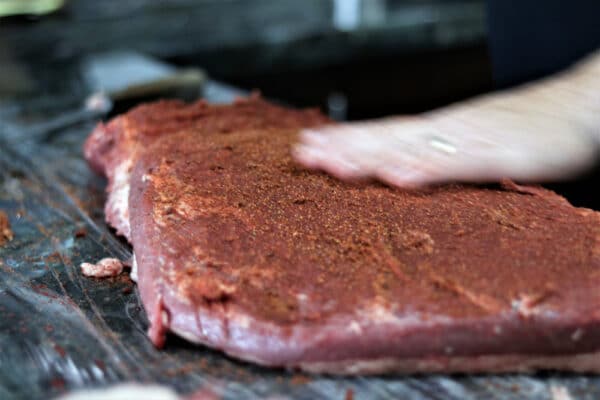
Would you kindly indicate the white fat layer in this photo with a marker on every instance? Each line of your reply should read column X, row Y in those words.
column 134, row 269
column 118, row 198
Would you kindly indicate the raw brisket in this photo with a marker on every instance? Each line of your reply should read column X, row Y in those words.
column 239, row 248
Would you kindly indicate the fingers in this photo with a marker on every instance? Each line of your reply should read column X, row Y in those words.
column 412, row 153
column 392, row 151
column 334, row 163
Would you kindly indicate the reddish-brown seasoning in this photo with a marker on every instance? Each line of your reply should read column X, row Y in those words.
column 349, row 394
column 251, row 233
column 59, row 350
column 80, row 233
column 58, row 383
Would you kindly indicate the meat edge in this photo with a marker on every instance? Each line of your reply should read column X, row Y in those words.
column 321, row 348
column 264, row 343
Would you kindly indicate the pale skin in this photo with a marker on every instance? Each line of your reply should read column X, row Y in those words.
column 545, row 130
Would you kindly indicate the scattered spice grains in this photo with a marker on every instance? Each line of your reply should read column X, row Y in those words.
column 349, row 394
column 80, row 233
column 6, row 234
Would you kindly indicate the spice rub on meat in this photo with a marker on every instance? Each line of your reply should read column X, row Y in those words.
column 240, row 249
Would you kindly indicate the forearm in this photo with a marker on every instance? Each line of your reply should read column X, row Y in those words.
column 567, row 103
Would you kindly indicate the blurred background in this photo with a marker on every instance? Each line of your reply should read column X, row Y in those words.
column 354, row 58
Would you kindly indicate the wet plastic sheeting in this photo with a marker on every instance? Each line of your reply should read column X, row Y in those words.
column 60, row 331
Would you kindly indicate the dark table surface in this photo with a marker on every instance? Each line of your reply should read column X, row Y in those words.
column 60, row 330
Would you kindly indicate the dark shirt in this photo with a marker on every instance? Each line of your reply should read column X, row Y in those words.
column 532, row 38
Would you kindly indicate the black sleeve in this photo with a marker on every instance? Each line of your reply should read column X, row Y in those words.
column 532, row 38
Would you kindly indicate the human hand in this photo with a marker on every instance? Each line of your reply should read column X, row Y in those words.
column 466, row 145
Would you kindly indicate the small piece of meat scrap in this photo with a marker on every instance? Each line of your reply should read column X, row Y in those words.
column 103, row 268
column 6, row 234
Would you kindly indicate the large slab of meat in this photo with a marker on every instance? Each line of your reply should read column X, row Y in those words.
column 239, row 248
